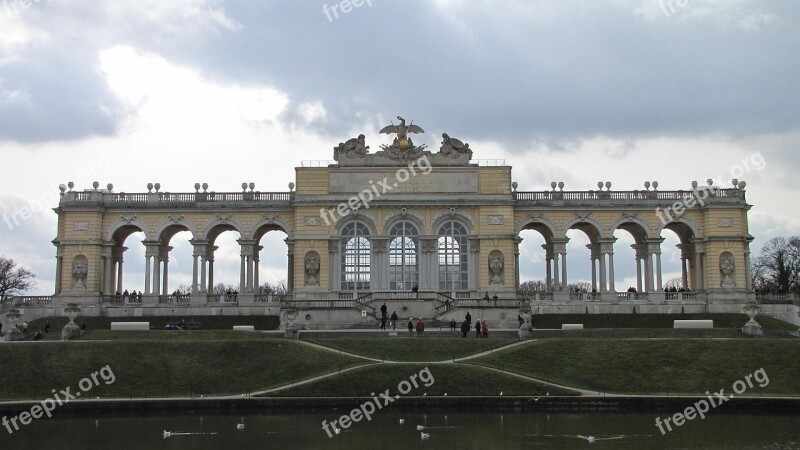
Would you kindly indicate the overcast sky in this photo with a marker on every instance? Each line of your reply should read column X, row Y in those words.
column 185, row 91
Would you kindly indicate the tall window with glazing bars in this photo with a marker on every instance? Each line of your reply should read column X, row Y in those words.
column 452, row 253
column 403, row 256
column 355, row 252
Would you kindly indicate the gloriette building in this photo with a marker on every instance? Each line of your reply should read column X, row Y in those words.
column 427, row 231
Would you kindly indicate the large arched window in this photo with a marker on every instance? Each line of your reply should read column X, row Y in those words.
column 403, row 257
column 452, row 252
column 355, row 251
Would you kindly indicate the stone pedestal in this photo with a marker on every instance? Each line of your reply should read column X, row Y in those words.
column 752, row 328
column 292, row 332
column 525, row 331
column 13, row 335
column 70, row 331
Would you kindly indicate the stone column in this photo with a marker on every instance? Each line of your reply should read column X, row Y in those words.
column 59, row 264
column 210, row 267
column 118, row 256
column 699, row 262
column 256, row 261
column 203, row 272
column 333, row 264
column 108, row 269
column 517, row 241
column 475, row 265
column 548, row 257
column 611, row 287
column 199, row 249
column 747, row 270
column 593, row 251
column 603, row 284
column 556, row 278
column 655, row 283
column 165, row 259
column 290, row 269
column 607, row 248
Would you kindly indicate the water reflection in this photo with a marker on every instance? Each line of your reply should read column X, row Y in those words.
column 407, row 429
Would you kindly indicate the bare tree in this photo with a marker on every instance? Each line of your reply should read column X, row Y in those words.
column 222, row 289
column 278, row 288
column 777, row 267
column 676, row 283
column 580, row 286
column 532, row 286
column 13, row 280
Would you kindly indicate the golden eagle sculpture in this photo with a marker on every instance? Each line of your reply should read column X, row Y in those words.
column 401, row 141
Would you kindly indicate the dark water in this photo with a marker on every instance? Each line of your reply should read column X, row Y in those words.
column 456, row 430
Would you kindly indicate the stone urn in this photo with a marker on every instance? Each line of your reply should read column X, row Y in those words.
column 496, row 264
column 752, row 328
column 312, row 268
column 71, row 330
column 13, row 318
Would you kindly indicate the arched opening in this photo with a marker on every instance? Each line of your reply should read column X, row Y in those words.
column 128, row 272
column 175, row 262
column 579, row 249
column 632, row 244
column 532, row 259
column 272, row 261
column 225, row 263
column 682, row 257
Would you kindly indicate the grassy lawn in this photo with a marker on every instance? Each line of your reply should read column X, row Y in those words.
column 453, row 379
column 161, row 368
column 206, row 322
column 653, row 320
column 414, row 349
column 652, row 333
column 656, row 367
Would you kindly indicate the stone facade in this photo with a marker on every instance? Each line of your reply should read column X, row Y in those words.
column 460, row 223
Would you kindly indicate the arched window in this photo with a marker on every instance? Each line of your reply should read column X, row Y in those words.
column 355, row 251
column 452, row 251
column 403, row 257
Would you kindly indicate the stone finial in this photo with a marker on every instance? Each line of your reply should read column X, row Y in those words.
column 694, row 184
column 197, row 187
column 514, row 186
column 742, row 184
column 205, row 187
column 646, row 185
column 252, row 186
column 655, row 185
column 600, row 185
column 157, row 186
column 561, row 185
column 96, row 185
column 553, row 185
column 291, row 186
column 70, row 185
column 149, row 187
column 608, row 185
column 110, row 187
column 244, row 187
column 62, row 188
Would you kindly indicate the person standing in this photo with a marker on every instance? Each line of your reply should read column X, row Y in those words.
column 420, row 326
column 383, row 310
column 410, row 327
column 464, row 328
column 394, row 320
column 485, row 329
column 383, row 322
column 477, row 328
column 468, row 318
column 453, row 325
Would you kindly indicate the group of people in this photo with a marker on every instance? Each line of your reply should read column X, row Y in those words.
column 133, row 296
column 481, row 327
column 393, row 318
